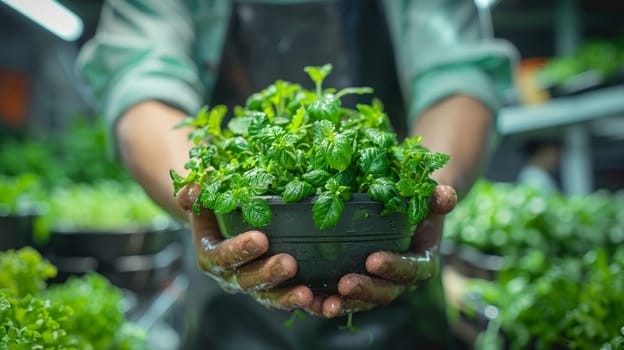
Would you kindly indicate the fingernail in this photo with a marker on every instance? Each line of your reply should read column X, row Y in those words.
column 293, row 301
column 250, row 247
column 278, row 271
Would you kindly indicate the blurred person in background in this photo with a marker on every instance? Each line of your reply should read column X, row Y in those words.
column 152, row 63
column 543, row 158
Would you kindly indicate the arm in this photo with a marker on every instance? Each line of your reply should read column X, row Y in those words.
column 149, row 146
column 141, row 68
column 461, row 127
column 450, row 78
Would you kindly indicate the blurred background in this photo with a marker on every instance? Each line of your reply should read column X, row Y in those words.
column 532, row 255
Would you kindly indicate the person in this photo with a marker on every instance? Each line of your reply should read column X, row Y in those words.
column 543, row 157
column 152, row 63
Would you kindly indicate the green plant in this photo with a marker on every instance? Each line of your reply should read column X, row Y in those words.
column 82, row 314
column 76, row 154
column 103, row 205
column 294, row 143
column 562, row 280
column 513, row 220
column 616, row 343
column 572, row 302
column 20, row 194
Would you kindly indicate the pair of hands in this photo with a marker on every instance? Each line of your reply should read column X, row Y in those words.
column 240, row 266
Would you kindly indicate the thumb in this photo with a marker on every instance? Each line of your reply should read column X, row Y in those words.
column 187, row 195
column 443, row 200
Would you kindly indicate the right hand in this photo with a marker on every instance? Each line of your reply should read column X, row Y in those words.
column 238, row 264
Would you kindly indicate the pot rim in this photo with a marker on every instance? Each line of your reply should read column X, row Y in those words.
column 356, row 198
column 153, row 229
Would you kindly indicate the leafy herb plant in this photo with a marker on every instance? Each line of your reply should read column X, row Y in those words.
column 295, row 143
column 82, row 313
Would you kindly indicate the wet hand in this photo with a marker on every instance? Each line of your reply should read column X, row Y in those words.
column 235, row 263
column 392, row 274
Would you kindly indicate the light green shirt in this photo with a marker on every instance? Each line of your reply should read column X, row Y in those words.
column 159, row 50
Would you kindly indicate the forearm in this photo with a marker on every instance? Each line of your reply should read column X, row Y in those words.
column 461, row 127
column 150, row 146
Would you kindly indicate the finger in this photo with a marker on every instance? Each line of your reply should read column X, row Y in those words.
column 232, row 252
column 316, row 306
column 403, row 268
column 267, row 273
column 291, row 298
column 203, row 223
column 369, row 289
column 443, row 200
column 428, row 235
column 187, row 195
column 335, row 306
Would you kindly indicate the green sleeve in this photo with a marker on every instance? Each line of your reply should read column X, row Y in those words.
column 143, row 50
column 440, row 52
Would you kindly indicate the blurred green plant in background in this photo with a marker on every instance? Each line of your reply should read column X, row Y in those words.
column 562, row 279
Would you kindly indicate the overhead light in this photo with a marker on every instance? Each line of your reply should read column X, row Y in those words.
column 483, row 4
column 51, row 15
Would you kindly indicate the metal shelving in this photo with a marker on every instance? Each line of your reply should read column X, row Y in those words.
column 563, row 111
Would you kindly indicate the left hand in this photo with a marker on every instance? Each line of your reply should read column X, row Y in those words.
column 392, row 274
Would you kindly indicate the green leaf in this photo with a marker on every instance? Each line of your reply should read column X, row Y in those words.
column 374, row 161
column 259, row 121
column 347, row 178
column 434, row 161
column 322, row 130
column 225, row 202
column 255, row 101
column 296, row 190
column 178, row 181
column 297, row 314
column 382, row 189
column 270, row 134
column 326, row 107
column 215, row 118
column 425, row 189
column 297, row 120
column 417, row 209
column 287, row 159
column 339, row 153
column 237, row 144
column 407, row 187
column 209, row 194
column 24, row 272
column 327, row 211
column 316, row 177
column 256, row 212
column 188, row 121
column 318, row 74
column 380, row 138
column 258, row 179
column 240, row 125
column 354, row 90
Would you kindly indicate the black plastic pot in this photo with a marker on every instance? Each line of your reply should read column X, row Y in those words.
column 16, row 231
column 139, row 273
column 108, row 245
column 471, row 262
column 324, row 256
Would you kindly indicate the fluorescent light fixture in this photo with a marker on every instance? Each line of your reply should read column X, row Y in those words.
column 51, row 15
column 483, row 4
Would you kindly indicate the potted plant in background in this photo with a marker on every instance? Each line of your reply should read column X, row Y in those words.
column 21, row 204
column 113, row 228
column 327, row 184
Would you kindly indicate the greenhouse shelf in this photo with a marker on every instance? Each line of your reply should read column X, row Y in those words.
column 563, row 111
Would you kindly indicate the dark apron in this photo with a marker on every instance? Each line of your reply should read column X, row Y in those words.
column 268, row 42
